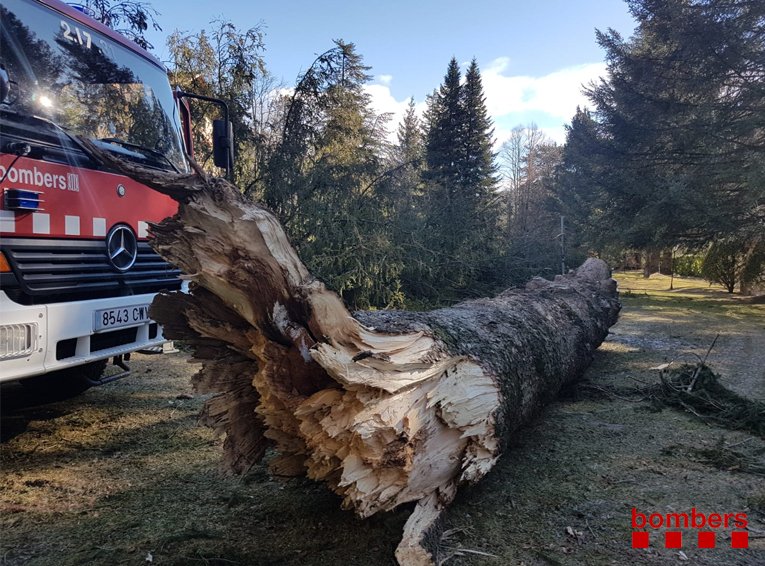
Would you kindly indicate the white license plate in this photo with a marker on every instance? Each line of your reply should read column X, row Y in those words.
column 132, row 315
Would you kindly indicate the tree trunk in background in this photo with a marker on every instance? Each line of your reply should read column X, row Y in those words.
column 385, row 407
column 650, row 262
column 665, row 262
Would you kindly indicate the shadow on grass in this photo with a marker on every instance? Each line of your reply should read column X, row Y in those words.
column 112, row 478
column 205, row 517
column 20, row 405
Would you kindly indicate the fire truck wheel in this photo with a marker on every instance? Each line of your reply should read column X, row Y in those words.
column 66, row 382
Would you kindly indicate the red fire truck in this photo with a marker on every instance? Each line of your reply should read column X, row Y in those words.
column 77, row 274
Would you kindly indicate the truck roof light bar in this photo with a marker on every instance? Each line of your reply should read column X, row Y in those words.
column 90, row 12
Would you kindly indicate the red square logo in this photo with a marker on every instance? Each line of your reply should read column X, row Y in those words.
column 738, row 539
column 673, row 539
column 639, row 539
column 706, row 539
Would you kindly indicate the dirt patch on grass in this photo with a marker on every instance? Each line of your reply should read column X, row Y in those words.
column 124, row 475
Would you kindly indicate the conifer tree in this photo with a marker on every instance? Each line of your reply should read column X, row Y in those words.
column 407, row 203
column 581, row 180
column 460, row 181
column 410, row 137
column 445, row 221
column 224, row 62
column 682, row 111
column 405, row 187
column 478, row 168
column 322, row 181
column 445, row 130
column 479, row 176
column 443, row 153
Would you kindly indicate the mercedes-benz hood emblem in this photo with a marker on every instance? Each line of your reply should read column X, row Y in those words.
column 121, row 247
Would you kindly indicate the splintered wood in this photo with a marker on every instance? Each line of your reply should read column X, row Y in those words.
column 383, row 407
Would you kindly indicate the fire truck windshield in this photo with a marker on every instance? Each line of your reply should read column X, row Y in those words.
column 88, row 84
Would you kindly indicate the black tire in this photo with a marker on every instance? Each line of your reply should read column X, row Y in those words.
column 66, row 383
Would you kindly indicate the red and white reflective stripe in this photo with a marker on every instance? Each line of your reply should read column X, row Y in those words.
column 41, row 223
column 7, row 221
column 72, row 225
column 99, row 226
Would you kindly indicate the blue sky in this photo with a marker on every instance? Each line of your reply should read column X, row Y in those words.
column 533, row 54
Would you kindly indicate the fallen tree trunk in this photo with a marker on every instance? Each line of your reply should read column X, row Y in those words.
column 384, row 407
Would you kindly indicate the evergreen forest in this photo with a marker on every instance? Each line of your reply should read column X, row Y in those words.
column 664, row 170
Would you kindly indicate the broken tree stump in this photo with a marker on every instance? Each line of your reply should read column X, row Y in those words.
column 385, row 407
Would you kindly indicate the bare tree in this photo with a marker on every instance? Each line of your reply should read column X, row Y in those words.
column 527, row 162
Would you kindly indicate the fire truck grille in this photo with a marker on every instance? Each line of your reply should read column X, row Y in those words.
column 56, row 271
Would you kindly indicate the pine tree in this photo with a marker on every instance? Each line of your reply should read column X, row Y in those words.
column 461, row 181
column 683, row 113
column 444, row 134
column 407, row 211
column 446, row 131
column 479, row 170
column 410, row 138
column 322, row 181
column 480, row 177
column 581, row 179
column 225, row 63
column 405, row 191
column 443, row 152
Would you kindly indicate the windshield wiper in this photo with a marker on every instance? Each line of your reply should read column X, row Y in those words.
column 141, row 150
column 52, row 125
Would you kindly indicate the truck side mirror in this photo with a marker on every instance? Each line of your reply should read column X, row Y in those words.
column 223, row 133
column 223, row 144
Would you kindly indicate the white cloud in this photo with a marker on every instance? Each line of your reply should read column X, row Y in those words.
column 283, row 91
column 557, row 94
column 383, row 102
column 384, row 79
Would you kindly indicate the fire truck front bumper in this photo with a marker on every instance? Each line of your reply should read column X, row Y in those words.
column 39, row 339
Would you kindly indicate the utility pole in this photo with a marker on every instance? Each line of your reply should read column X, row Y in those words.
column 562, row 247
column 672, row 270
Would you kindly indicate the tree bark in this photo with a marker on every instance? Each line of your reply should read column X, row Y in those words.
column 651, row 262
column 385, row 407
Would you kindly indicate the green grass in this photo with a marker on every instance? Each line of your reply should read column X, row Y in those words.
column 686, row 293
column 660, row 284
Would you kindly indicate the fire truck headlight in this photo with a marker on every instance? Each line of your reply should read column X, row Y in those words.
column 17, row 340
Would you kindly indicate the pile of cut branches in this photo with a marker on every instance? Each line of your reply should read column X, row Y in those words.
column 697, row 389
